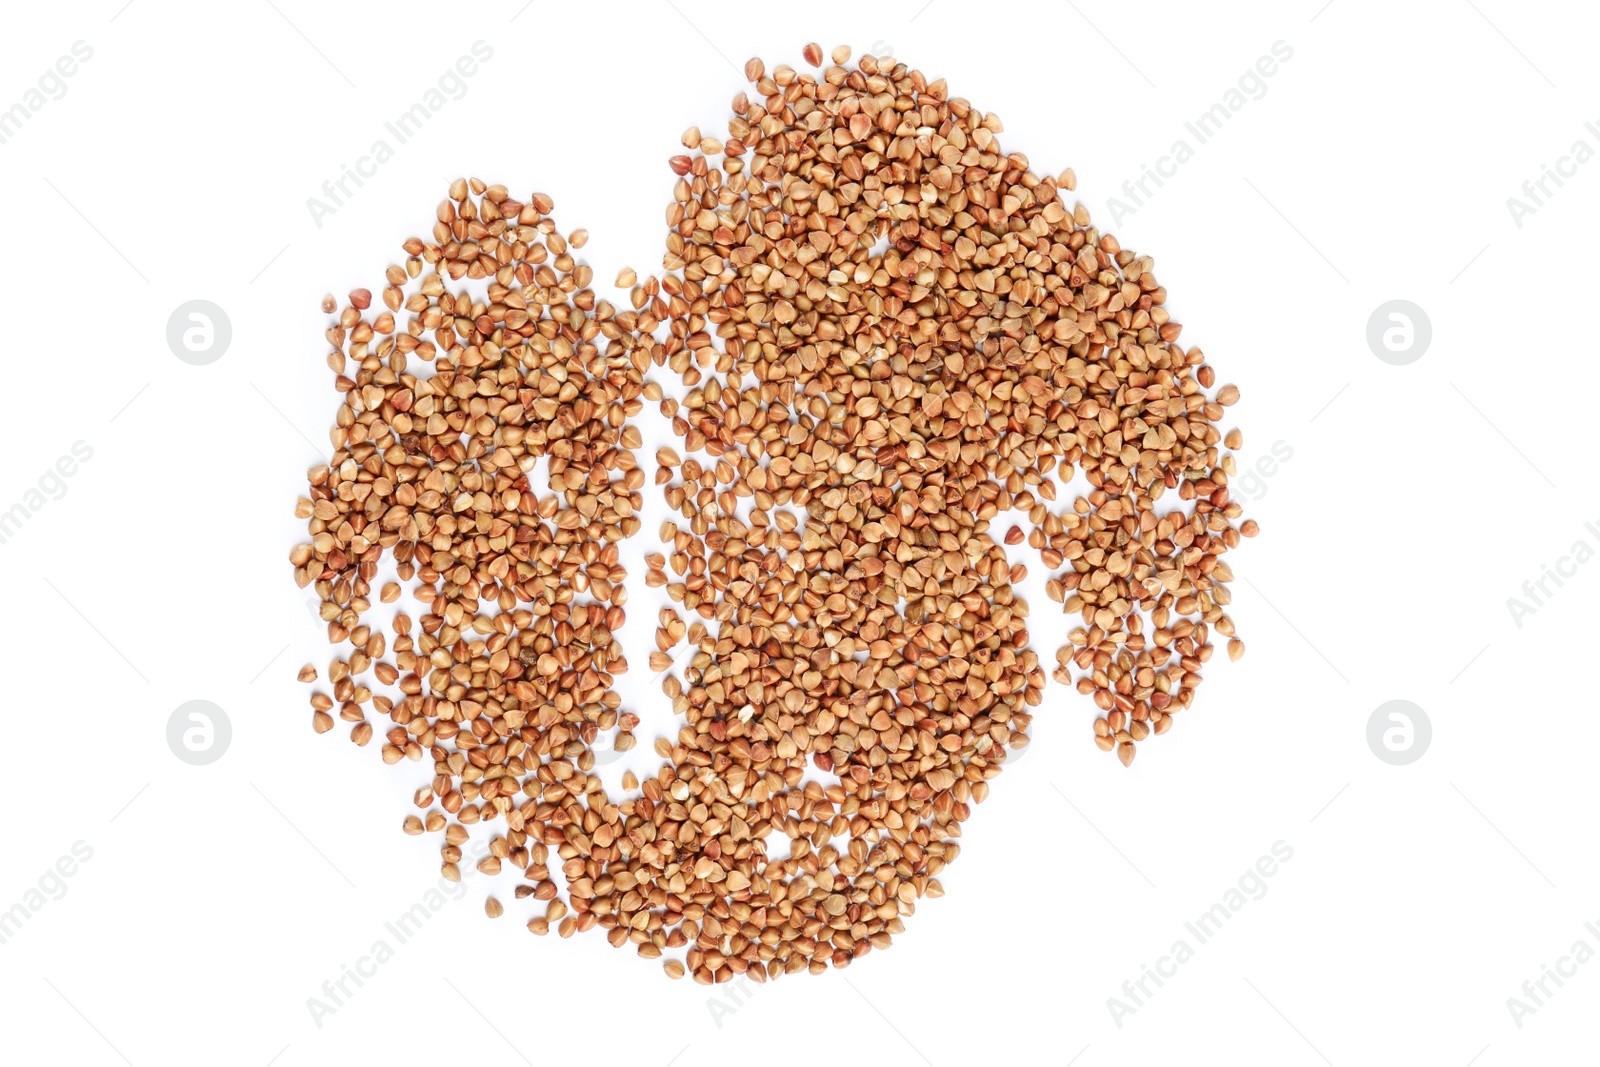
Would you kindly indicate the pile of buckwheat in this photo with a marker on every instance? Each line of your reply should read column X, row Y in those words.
column 883, row 333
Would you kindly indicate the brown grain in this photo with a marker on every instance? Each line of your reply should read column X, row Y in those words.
column 883, row 333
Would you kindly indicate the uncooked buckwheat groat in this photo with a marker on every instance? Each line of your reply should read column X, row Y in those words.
column 882, row 334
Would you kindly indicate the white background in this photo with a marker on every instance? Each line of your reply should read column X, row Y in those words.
column 1377, row 166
